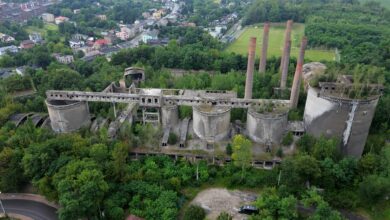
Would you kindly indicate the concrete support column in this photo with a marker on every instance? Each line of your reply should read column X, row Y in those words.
column 286, row 62
column 287, row 38
column 264, row 50
column 298, row 75
column 250, row 68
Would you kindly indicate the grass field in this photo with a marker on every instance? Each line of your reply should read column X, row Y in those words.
column 385, row 3
column 276, row 41
column 46, row 27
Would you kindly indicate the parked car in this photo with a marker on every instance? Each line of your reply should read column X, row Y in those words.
column 248, row 210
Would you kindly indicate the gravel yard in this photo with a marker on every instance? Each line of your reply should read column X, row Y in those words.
column 217, row 200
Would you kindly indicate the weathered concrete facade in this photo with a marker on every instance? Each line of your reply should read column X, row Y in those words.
column 349, row 120
column 68, row 116
column 268, row 127
column 169, row 116
column 211, row 123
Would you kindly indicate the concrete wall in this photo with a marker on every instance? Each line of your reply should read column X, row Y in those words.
column 169, row 116
column 68, row 116
column 211, row 123
column 347, row 120
column 267, row 127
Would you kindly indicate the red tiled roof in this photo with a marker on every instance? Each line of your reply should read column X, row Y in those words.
column 101, row 41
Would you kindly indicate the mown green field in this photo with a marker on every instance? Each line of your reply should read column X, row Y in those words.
column 385, row 3
column 46, row 27
column 276, row 41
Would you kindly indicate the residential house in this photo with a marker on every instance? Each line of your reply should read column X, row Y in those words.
column 126, row 33
column 35, row 37
column 82, row 37
column 76, row 11
column 102, row 17
column 27, row 44
column 157, row 15
column 109, row 38
column 65, row 59
column 47, row 17
column 149, row 35
column 60, row 19
column 123, row 35
column 90, row 41
column 100, row 43
column 8, row 49
column 6, row 38
column 76, row 44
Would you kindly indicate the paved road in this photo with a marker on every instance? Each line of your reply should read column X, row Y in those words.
column 32, row 209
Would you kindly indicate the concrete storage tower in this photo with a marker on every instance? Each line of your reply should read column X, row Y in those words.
column 211, row 123
column 68, row 116
column 333, row 109
column 267, row 124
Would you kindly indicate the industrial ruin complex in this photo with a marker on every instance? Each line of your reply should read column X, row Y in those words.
column 330, row 110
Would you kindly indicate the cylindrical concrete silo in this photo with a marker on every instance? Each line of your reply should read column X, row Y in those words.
column 169, row 116
column 68, row 116
column 211, row 123
column 349, row 120
column 266, row 127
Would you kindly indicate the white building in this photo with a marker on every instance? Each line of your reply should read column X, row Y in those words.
column 65, row 59
column 60, row 19
column 47, row 17
column 76, row 44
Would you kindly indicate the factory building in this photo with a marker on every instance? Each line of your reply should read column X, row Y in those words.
column 330, row 109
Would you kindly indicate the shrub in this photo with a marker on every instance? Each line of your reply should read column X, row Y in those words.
column 288, row 139
column 229, row 149
column 194, row 212
column 224, row 216
column 172, row 139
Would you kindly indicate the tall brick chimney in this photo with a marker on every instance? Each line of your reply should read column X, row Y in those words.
column 250, row 68
column 263, row 58
column 287, row 38
column 286, row 62
column 298, row 75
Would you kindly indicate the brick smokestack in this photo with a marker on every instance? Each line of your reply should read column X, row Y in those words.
column 284, row 65
column 250, row 68
column 263, row 58
column 298, row 75
column 287, row 38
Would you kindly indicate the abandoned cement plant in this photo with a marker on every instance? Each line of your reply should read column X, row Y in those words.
column 330, row 109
